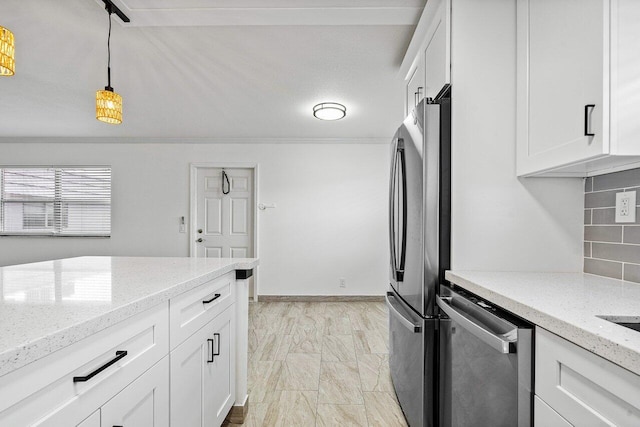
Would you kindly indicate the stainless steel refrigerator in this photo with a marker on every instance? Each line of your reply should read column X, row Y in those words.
column 419, row 235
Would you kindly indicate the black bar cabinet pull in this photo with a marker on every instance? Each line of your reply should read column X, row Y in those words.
column 210, row 346
column 587, row 109
column 217, row 337
column 215, row 297
column 119, row 355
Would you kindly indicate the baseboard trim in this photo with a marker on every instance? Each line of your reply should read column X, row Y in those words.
column 238, row 413
column 320, row 298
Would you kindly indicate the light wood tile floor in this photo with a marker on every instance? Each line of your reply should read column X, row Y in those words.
column 320, row 364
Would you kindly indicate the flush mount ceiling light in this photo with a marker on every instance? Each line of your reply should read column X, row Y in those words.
column 108, row 102
column 7, row 51
column 329, row 111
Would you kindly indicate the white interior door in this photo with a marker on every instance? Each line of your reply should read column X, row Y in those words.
column 224, row 212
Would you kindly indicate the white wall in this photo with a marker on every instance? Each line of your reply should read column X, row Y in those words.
column 500, row 222
column 330, row 221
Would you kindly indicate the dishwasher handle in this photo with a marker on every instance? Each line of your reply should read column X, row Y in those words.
column 403, row 320
column 504, row 343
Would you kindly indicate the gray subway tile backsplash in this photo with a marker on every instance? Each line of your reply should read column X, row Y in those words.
column 600, row 199
column 632, row 272
column 610, row 249
column 603, row 233
column 632, row 235
column 616, row 252
column 603, row 216
column 603, row 268
column 624, row 179
column 587, row 249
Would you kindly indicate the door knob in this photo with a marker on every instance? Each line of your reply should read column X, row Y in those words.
column 199, row 230
column 199, row 240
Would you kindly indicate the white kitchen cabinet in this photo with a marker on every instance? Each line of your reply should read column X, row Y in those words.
column 192, row 310
column 144, row 403
column 48, row 392
column 577, row 97
column 92, row 420
column 545, row 416
column 427, row 63
column 414, row 88
column 202, row 374
column 437, row 49
column 582, row 388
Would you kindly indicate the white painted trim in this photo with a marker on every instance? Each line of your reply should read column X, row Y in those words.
column 177, row 140
column 193, row 167
column 351, row 13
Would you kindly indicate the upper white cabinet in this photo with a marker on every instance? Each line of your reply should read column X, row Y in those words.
column 427, row 63
column 577, row 96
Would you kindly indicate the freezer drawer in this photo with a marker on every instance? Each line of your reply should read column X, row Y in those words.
column 411, row 360
column 485, row 366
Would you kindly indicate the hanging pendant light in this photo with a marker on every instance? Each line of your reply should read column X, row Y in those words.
column 108, row 102
column 7, row 52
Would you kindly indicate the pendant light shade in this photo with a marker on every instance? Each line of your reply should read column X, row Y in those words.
column 108, row 106
column 7, row 52
column 329, row 111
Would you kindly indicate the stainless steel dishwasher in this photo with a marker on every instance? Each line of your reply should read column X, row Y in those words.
column 486, row 371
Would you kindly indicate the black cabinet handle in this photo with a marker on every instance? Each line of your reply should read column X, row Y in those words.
column 217, row 337
column 119, row 355
column 587, row 110
column 215, row 297
column 210, row 348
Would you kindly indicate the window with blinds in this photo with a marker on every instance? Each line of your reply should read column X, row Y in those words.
column 65, row 201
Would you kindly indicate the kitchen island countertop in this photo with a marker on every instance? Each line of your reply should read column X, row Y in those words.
column 46, row 306
column 567, row 304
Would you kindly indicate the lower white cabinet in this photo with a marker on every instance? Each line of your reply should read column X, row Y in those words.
column 92, row 420
column 583, row 389
column 143, row 403
column 202, row 374
column 546, row 416
column 125, row 375
column 66, row 387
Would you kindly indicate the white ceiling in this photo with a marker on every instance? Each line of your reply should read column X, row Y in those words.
column 255, row 79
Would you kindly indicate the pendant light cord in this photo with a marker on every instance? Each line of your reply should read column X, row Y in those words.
column 109, row 51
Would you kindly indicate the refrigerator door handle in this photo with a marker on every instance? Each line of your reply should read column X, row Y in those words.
column 402, row 319
column 504, row 343
column 403, row 244
column 392, row 213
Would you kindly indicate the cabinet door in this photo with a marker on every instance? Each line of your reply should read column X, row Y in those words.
column 437, row 53
column 563, row 63
column 144, row 402
column 203, row 374
column 584, row 388
column 223, row 368
column 544, row 416
column 92, row 420
column 415, row 87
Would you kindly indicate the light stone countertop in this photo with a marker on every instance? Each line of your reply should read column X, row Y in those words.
column 567, row 305
column 46, row 306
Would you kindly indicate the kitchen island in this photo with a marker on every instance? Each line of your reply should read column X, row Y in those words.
column 587, row 368
column 61, row 321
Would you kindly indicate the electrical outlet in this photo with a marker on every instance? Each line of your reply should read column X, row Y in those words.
column 343, row 282
column 626, row 206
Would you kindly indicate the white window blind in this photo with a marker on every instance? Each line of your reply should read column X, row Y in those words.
column 65, row 201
